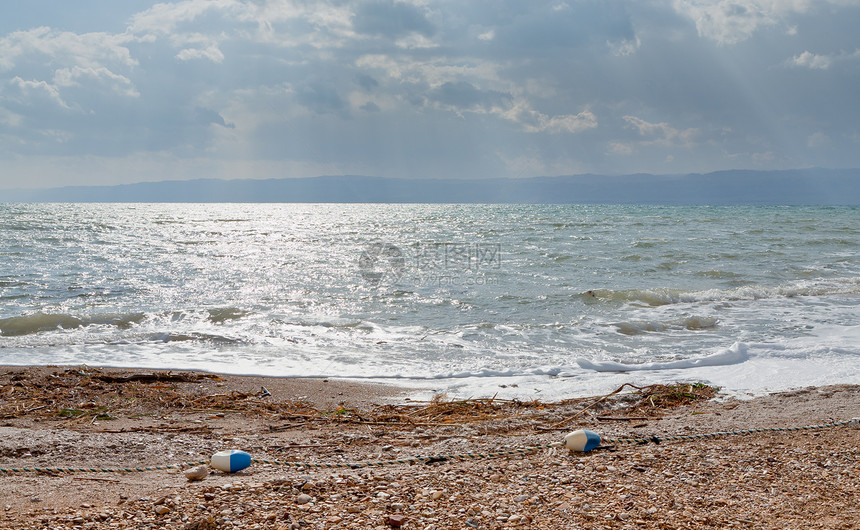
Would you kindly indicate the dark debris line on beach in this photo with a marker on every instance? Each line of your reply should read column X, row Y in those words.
column 75, row 394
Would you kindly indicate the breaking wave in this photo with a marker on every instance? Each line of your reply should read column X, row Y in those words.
column 693, row 323
column 46, row 322
column 666, row 296
column 735, row 354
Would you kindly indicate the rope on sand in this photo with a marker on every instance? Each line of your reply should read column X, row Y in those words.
column 97, row 469
column 580, row 441
column 412, row 459
column 678, row 438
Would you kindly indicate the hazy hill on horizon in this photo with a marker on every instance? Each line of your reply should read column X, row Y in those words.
column 785, row 187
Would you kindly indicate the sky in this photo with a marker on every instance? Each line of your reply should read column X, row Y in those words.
column 96, row 92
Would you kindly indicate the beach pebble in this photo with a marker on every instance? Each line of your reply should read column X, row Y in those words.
column 436, row 494
column 162, row 509
column 304, row 498
column 396, row 520
column 197, row 473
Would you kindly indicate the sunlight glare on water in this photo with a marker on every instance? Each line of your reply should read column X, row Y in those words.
column 559, row 298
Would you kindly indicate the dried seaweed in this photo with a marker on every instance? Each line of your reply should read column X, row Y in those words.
column 74, row 394
column 660, row 397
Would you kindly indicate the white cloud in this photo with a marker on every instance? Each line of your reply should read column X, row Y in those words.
column 818, row 139
column 487, row 35
column 211, row 53
column 624, row 47
column 571, row 123
column 515, row 107
column 67, row 77
column 327, row 26
column 65, row 58
column 662, row 133
column 89, row 50
column 811, row 60
column 9, row 118
column 39, row 90
column 433, row 71
column 733, row 21
column 533, row 121
column 816, row 61
column 620, row 148
column 415, row 41
column 164, row 18
column 727, row 21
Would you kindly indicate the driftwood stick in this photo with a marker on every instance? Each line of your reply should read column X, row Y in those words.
column 593, row 403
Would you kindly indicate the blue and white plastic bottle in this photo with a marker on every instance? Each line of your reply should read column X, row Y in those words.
column 582, row 440
column 230, row 461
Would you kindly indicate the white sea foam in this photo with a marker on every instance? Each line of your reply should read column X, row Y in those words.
column 737, row 353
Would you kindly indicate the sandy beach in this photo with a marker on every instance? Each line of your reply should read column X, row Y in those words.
column 111, row 418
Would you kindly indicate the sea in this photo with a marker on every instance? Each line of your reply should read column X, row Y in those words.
column 515, row 301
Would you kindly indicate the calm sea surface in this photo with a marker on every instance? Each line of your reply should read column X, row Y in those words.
column 523, row 300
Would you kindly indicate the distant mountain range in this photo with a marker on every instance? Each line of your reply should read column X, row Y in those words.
column 789, row 187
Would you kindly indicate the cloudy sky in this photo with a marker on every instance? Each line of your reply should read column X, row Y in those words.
column 107, row 92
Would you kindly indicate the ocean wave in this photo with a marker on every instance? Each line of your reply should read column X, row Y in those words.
column 195, row 337
column 559, row 371
column 46, row 322
column 693, row 323
column 666, row 296
column 735, row 354
column 223, row 314
column 13, row 283
column 42, row 322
